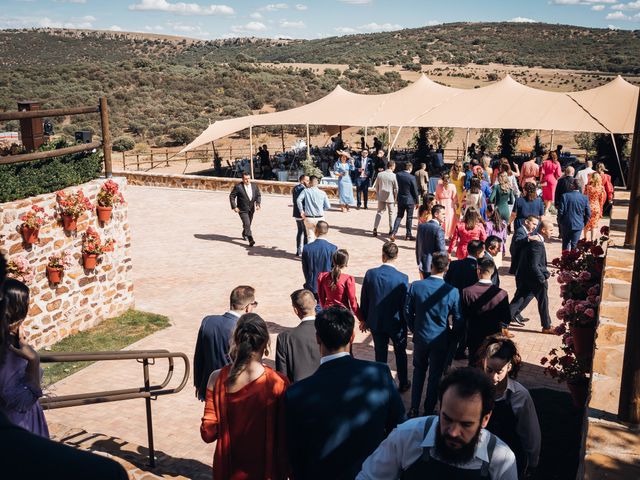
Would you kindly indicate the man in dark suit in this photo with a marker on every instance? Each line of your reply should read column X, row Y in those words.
column 297, row 352
column 573, row 214
column 493, row 251
column 301, row 235
column 212, row 344
column 430, row 239
column 362, row 176
column 520, row 239
column 485, row 309
column 564, row 182
column 462, row 274
column 432, row 310
column 531, row 279
column 316, row 258
column 245, row 200
column 407, row 200
column 381, row 301
column 338, row 416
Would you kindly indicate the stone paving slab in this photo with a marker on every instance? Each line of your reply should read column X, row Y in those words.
column 187, row 256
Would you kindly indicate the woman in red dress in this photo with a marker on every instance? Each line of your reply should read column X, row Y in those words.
column 470, row 228
column 337, row 288
column 550, row 172
column 244, row 409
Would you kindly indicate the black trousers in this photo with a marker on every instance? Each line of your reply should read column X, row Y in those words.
column 402, row 209
column 525, row 292
column 362, row 189
column 301, row 235
column 247, row 218
column 381, row 348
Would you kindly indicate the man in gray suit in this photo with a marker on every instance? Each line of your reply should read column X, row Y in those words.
column 297, row 351
column 386, row 186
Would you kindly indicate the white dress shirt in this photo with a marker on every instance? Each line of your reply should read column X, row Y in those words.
column 249, row 190
column 309, row 318
column 328, row 358
column 528, row 427
column 403, row 447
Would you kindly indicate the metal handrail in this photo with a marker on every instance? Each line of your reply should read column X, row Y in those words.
column 148, row 392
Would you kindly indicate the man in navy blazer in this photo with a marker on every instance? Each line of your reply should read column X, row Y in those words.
column 381, row 304
column 316, row 257
column 573, row 214
column 407, row 200
column 520, row 239
column 212, row 344
column 430, row 239
column 361, row 177
column 338, row 416
column 433, row 315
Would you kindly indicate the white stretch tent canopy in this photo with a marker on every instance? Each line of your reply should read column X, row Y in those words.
column 610, row 108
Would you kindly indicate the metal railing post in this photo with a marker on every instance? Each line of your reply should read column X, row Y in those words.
column 147, row 402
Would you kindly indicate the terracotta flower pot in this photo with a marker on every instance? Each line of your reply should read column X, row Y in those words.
column 30, row 235
column 70, row 223
column 54, row 274
column 104, row 214
column 89, row 260
column 583, row 338
column 579, row 390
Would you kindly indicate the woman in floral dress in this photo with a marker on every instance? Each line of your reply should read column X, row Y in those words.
column 447, row 196
column 597, row 195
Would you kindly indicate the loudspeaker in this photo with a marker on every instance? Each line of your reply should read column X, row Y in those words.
column 30, row 128
column 83, row 136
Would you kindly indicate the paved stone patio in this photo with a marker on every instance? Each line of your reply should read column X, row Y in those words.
column 187, row 255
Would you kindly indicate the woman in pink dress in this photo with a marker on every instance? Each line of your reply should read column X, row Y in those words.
column 549, row 175
column 597, row 195
column 447, row 196
column 529, row 172
column 470, row 228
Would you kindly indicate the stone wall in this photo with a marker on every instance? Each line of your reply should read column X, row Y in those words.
column 224, row 184
column 84, row 297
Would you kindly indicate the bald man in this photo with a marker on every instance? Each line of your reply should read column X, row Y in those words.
column 532, row 275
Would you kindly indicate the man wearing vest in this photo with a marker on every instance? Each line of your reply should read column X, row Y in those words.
column 453, row 445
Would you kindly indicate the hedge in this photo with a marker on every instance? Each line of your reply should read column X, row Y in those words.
column 28, row 179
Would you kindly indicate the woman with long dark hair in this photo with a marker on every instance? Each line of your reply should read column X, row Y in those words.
column 470, row 228
column 447, row 196
column 527, row 205
column 336, row 287
column 19, row 363
column 244, row 409
column 550, row 172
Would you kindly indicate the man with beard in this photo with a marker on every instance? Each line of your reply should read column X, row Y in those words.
column 453, row 445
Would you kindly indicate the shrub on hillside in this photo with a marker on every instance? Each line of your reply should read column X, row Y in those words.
column 122, row 144
column 182, row 135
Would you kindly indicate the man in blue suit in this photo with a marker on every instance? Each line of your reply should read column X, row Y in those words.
column 381, row 302
column 432, row 310
column 573, row 214
column 212, row 344
column 430, row 239
column 338, row 416
column 361, row 177
column 407, row 200
column 316, row 257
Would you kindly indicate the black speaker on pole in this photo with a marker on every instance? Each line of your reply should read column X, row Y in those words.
column 83, row 136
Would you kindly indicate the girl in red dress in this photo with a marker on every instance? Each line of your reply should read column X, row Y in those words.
column 244, row 409
column 337, row 288
column 471, row 228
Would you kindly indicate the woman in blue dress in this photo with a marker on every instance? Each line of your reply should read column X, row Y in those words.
column 342, row 169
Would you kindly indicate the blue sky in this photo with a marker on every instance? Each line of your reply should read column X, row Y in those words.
column 304, row 18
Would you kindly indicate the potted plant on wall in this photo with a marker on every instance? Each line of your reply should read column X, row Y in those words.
column 72, row 205
column 564, row 366
column 19, row 268
column 56, row 265
column 31, row 223
column 108, row 197
column 93, row 247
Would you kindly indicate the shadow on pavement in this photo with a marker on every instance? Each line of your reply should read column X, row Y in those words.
column 256, row 250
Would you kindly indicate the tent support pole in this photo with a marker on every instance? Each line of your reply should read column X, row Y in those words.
column 389, row 140
column 551, row 141
column 395, row 139
column 282, row 136
column 633, row 218
column 466, row 145
column 615, row 148
column 365, row 137
column 308, row 142
column 251, row 150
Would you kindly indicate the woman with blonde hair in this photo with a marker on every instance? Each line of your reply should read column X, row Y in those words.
column 457, row 178
column 446, row 195
column 470, row 228
column 342, row 169
column 502, row 196
column 244, row 409
column 597, row 195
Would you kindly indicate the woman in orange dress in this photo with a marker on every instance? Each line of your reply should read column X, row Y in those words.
column 337, row 288
column 447, row 196
column 244, row 409
column 597, row 195
column 470, row 228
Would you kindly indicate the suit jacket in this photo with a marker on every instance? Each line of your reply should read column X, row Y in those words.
column 495, row 278
column 238, row 198
column 574, row 211
column 562, row 187
column 357, row 164
column 407, row 188
column 518, row 242
column 212, row 348
column 382, row 299
column 386, row 186
column 295, row 193
column 429, row 240
column 25, row 455
column 338, row 416
column 532, row 268
column 428, row 306
column 297, row 352
column 316, row 258
column 485, row 307
column 462, row 273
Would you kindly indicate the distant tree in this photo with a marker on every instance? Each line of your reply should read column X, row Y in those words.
column 586, row 141
column 488, row 138
column 284, row 104
column 441, row 136
column 492, row 77
column 509, row 141
column 538, row 148
column 123, row 144
column 182, row 135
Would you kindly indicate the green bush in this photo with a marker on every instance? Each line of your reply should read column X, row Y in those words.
column 28, row 179
column 122, row 144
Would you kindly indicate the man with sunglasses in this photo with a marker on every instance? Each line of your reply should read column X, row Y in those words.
column 212, row 344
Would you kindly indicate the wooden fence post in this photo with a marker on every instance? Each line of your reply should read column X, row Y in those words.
column 106, row 137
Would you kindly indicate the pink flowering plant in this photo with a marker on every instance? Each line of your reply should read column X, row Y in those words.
column 109, row 194
column 19, row 268
column 61, row 261
column 73, row 204
column 34, row 218
column 92, row 244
